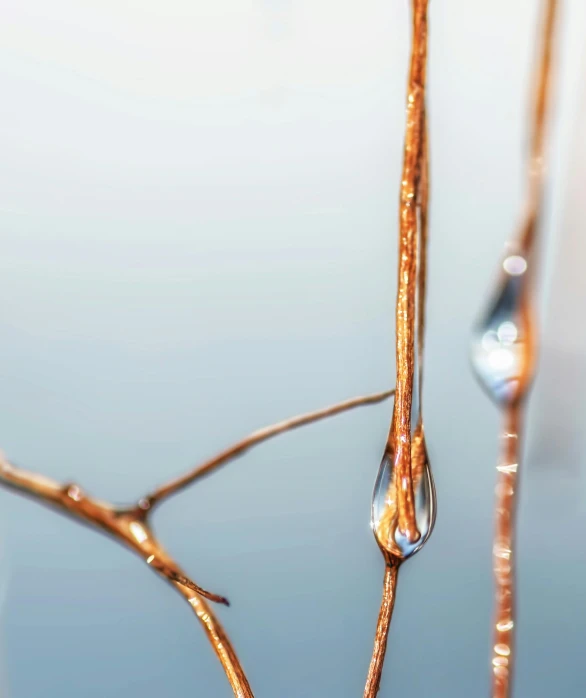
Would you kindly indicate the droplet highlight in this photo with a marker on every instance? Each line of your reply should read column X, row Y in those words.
column 75, row 492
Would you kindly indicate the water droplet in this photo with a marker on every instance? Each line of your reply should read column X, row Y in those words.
column 144, row 504
column 502, row 649
column 75, row 492
column 500, row 351
column 384, row 502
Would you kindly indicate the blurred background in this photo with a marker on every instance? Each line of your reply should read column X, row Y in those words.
column 198, row 217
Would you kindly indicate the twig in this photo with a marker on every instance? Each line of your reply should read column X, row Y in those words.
column 382, row 631
column 537, row 137
column 407, row 469
column 399, row 440
column 503, row 655
column 130, row 527
column 257, row 437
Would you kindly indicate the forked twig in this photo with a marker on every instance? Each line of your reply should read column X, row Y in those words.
column 130, row 525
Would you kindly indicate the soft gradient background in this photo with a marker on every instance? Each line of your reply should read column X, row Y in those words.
column 198, row 217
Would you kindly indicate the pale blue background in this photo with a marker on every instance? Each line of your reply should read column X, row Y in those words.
column 198, row 207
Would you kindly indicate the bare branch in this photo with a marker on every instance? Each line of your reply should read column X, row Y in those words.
column 257, row 437
column 129, row 526
column 375, row 669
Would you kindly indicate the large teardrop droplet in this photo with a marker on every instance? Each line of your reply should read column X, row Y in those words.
column 384, row 502
column 502, row 347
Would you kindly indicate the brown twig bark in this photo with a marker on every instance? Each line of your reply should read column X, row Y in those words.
column 130, row 525
column 538, row 127
column 503, row 655
column 408, row 452
column 399, row 441
column 385, row 615
column 257, row 437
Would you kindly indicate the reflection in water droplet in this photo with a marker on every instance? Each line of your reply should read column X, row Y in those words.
column 75, row 493
column 500, row 348
column 384, row 503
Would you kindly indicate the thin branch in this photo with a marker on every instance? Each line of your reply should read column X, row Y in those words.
column 257, row 437
column 399, row 440
column 536, row 169
column 406, row 451
column 382, row 631
column 130, row 527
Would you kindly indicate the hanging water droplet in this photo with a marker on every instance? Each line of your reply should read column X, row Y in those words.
column 384, row 502
column 501, row 350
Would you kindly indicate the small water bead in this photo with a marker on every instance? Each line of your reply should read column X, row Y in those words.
column 500, row 349
column 75, row 492
column 144, row 504
column 385, row 511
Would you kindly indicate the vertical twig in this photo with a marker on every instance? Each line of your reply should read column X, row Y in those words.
column 382, row 630
column 399, row 440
